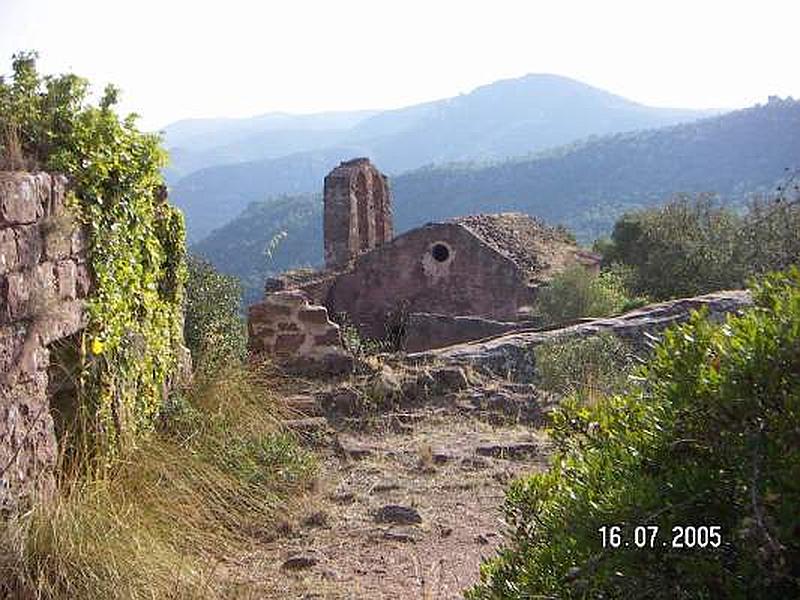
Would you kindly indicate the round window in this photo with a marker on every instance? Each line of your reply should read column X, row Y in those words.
column 440, row 252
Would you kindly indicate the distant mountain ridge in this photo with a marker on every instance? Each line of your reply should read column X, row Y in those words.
column 493, row 122
column 585, row 186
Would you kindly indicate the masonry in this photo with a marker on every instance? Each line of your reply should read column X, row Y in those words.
column 44, row 279
column 358, row 214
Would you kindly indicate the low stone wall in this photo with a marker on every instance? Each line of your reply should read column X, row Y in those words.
column 43, row 281
column 297, row 334
column 426, row 331
column 510, row 356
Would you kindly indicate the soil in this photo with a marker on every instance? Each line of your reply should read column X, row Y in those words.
column 407, row 505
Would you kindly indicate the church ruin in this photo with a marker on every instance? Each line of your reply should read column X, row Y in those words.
column 450, row 281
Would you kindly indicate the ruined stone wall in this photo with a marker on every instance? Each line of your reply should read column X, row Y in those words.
column 43, row 281
column 358, row 214
column 439, row 268
column 296, row 334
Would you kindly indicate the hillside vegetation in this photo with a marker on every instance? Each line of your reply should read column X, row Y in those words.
column 587, row 187
column 493, row 122
column 705, row 436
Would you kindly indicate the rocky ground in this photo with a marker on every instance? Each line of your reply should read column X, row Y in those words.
column 409, row 498
column 415, row 456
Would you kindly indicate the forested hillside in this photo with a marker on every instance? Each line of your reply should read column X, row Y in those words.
column 227, row 164
column 586, row 186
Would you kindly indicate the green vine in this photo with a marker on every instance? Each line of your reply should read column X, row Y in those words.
column 136, row 243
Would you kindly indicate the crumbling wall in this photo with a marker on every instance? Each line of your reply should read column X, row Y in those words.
column 440, row 268
column 296, row 334
column 358, row 213
column 43, row 281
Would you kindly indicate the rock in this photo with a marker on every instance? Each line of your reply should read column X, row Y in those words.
column 449, row 379
column 299, row 561
column 511, row 356
column 353, row 448
column 344, row 400
column 406, row 536
column 400, row 515
column 304, row 404
column 425, row 331
column 507, row 449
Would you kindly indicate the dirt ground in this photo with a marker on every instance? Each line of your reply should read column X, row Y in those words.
column 406, row 507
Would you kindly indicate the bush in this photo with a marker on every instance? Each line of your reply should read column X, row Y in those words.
column 575, row 293
column 708, row 436
column 694, row 246
column 586, row 368
column 217, row 474
column 214, row 329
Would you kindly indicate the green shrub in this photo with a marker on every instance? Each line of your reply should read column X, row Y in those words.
column 136, row 242
column 708, row 436
column 587, row 368
column 216, row 474
column 693, row 246
column 214, row 329
column 576, row 292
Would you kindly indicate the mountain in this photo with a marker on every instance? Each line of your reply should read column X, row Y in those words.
column 493, row 122
column 585, row 186
column 194, row 144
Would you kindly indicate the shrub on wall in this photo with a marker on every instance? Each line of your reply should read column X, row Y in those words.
column 706, row 439
column 214, row 328
column 136, row 241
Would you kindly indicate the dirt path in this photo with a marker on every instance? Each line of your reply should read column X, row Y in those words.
column 406, row 509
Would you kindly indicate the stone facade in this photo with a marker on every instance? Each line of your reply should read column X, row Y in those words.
column 487, row 266
column 358, row 213
column 296, row 334
column 44, row 279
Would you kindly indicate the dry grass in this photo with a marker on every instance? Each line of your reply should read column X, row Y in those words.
column 12, row 156
column 217, row 474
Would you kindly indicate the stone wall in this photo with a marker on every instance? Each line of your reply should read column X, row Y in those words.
column 296, row 334
column 425, row 331
column 43, row 281
column 440, row 268
column 358, row 211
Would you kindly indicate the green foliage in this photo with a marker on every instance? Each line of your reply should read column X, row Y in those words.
column 708, row 436
column 215, row 475
column 576, row 292
column 214, row 329
column 693, row 246
column 585, row 368
column 136, row 242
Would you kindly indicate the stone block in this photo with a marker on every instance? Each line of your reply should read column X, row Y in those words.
column 29, row 246
column 268, row 313
column 289, row 343
column 331, row 337
column 287, row 298
column 288, row 326
column 20, row 201
column 315, row 315
column 83, row 280
column 15, row 291
column 66, row 277
column 8, row 250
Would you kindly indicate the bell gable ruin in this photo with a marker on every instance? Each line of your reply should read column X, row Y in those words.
column 485, row 267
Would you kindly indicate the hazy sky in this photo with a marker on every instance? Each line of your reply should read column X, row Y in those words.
column 176, row 59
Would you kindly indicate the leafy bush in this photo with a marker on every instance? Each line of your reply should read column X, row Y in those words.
column 576, row 292
column 214, row 329
column 586, row 368
column 136, row 241
column 709, row 436
column 693, row 246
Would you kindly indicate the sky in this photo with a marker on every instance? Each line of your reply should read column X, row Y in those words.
column 176, row 59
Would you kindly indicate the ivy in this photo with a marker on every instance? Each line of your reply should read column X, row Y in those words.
column 136, row 242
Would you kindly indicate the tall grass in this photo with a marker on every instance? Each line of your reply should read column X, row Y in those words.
column 216, row 474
